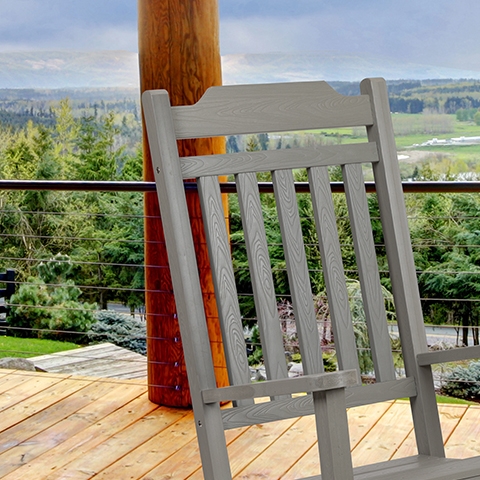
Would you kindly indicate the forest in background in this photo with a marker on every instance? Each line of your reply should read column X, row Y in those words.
column 96, row 239
column 406, row 96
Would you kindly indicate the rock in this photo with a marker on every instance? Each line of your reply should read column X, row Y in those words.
column 258, row 374
column 261, row 375
column 295, row 370
column 13, row 363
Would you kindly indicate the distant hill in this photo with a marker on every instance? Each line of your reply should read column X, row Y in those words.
column 68, row 69
column 330, row 66
column 72, row 69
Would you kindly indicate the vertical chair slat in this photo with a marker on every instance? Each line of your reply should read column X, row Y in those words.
column 297, row 269
column 261, row 276
column 327, row 232
column 224, row 281
column 373, row 301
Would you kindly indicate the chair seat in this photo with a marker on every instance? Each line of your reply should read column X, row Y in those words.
column 419, row 467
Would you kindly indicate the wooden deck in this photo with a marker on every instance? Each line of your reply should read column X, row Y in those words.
column 104, row 360
column 56, row 426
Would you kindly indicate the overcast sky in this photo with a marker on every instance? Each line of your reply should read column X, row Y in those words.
column 438, row 32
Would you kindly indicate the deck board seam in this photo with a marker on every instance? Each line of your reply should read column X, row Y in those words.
column 401, row 443
column 391, row 404
column 445, row 440
column 85, row 441
column 30, row 396
column 166, row 427
column 39, row 394
column 259, row 454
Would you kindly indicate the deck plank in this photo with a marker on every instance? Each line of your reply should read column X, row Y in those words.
column 186, row 462
column 465, row 440
column 9, row 381
column 182, row 464
column 450, row 416
column 93, row 461
column 104, row 360
column 86, row 440
column 253, row 442
column 63, row 408
column 290, row 447
column 98, row 399
column 27, row 386
column 385, row 437
column 361, row 421
column 148, row 455
column 45, row 400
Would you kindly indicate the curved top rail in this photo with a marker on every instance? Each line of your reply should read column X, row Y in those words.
column 245, row 109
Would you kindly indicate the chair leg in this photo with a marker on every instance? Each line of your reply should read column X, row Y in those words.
column 332, row 433
column 211, row 441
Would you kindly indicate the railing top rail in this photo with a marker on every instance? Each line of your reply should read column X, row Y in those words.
column 227, row 187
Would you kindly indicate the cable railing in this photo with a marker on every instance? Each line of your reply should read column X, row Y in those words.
column 107, row 273
column 226, row 187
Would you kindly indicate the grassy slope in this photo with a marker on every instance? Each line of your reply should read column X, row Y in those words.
column 31, row 347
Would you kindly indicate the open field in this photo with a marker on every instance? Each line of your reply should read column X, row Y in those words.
column 413, row 130
column 409, row 130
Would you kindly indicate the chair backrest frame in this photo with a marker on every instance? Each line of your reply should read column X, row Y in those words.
column 235, row 110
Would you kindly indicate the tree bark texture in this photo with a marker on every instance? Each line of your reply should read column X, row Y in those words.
column 179, row 52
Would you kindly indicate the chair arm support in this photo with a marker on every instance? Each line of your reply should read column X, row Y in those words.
column 452, row 355
column 287, row 386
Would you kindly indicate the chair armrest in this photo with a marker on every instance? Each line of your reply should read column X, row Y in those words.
column 452, row 355
column 287, row 386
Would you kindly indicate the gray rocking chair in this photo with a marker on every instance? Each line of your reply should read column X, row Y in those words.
column 249, row 109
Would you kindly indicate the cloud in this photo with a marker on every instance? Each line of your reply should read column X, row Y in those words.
column 253, row 35
column 439, row 32
column 436, row 32
column 68, row 24
column 320, row 31
column 235, row 9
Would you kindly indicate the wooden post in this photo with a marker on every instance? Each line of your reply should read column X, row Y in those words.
column 179, row 52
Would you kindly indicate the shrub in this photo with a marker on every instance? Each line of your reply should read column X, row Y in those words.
column 463, row 382
column 359, row 321
column 329, row 362
column 49, row 306
column 28, row 308
column 120, row 329
column 37, row 312
column 289, row 332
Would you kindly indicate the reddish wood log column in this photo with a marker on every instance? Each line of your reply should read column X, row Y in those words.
column 179, row 52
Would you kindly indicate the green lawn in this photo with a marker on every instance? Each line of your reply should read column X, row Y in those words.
column 454, row 400
column 31, row 347
column 450, row 400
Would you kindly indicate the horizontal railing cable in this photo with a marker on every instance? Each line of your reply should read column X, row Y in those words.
column 69, row 238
